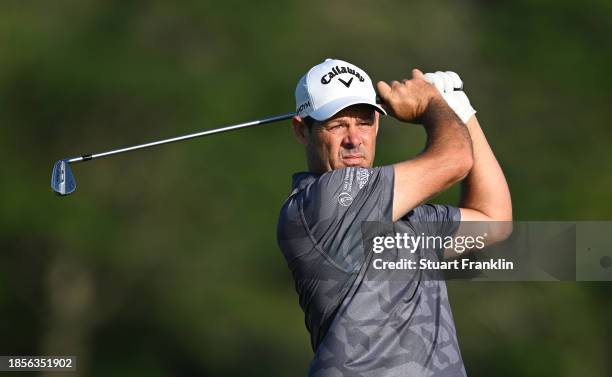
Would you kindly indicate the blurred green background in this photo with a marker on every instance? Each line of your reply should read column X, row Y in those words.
column 164, row 262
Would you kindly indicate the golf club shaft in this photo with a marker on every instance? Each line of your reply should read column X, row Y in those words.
column 271, row 119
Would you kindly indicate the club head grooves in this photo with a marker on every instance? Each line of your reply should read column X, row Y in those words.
column 62, row 180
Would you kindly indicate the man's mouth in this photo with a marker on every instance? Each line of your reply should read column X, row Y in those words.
column 352, row 159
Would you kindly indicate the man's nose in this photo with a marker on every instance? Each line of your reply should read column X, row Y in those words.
column 352, row 138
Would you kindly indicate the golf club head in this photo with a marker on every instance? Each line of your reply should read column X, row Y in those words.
column 62, row 180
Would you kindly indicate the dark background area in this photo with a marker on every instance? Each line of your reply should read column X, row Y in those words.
column 164, row 262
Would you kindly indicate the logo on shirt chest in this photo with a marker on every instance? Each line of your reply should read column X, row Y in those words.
column 345, row 199
column 362, row 177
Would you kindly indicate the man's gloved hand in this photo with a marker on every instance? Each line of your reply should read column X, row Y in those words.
column 451, row 87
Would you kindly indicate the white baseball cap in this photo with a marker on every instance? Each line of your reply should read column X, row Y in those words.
column 332, row 86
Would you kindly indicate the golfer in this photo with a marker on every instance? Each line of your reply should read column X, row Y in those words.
column 362, row 323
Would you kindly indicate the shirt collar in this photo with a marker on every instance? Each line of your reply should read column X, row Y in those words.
column 302, row 179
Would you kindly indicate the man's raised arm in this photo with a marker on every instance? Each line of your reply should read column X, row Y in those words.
column 484, row 192
column 447, row 157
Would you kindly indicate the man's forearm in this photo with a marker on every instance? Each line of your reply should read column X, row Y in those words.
column 485, row 188
column 445, row 131
column 447, row 159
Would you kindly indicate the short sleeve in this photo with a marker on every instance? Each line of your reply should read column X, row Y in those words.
column 440, row 219
column 336, row 205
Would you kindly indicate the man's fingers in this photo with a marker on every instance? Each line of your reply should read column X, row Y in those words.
column 447, row 81
column 429, row 77
column 457, row 83
column 436, row 80
column 384, row 90
column 417, row 74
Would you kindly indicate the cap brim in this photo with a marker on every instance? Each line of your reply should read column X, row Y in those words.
column 330, row 109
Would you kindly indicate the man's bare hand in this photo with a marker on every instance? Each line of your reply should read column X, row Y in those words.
column 408, row 100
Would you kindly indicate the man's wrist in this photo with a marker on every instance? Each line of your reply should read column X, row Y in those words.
column 438, row 111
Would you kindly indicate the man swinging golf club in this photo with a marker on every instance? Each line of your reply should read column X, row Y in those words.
column 400, row 325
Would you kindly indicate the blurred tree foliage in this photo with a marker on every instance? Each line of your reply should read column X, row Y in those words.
column 164, row 263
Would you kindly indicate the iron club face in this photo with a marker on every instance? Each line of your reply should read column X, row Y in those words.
column 62, row 179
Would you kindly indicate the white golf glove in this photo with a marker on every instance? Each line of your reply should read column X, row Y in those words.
column 451, row 87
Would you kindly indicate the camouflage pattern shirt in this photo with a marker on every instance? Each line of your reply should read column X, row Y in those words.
column 363, row 321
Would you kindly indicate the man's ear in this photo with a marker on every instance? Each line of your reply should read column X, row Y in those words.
column 300, row 130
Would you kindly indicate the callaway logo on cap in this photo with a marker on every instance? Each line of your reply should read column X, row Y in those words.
column 332, row 86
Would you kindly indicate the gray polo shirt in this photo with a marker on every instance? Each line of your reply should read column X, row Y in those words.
column 363, row 321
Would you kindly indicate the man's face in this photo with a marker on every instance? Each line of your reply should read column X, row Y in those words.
column 346, row 139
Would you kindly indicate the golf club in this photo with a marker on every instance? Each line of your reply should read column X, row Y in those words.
column 62, row 179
